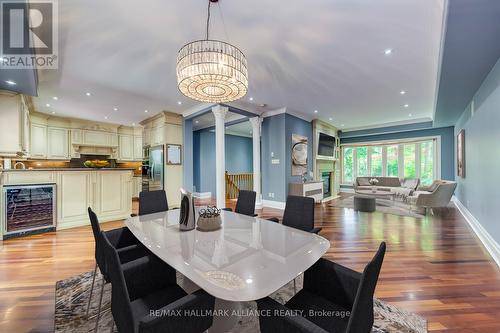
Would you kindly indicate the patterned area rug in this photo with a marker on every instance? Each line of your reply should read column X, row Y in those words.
column 72, row 297
column 384, row 206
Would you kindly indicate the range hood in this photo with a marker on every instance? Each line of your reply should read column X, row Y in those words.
column 82, row 149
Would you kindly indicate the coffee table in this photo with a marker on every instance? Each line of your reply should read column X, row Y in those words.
column 378, row 194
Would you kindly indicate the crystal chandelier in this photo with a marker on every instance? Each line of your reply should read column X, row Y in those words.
column 212, row 71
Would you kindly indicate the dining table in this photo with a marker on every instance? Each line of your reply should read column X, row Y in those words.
column 246, row 259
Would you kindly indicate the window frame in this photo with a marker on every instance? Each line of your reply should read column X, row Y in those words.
column 400, row 144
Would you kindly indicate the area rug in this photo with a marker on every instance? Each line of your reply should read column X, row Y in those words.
column 72, row 297
column 384, row 206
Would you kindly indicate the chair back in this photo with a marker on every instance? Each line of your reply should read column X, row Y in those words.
column 120, row 300
column 99, row 254
column 152, row 202
column 361, row 320
column 443, row 193
column 246, row 203
column 299, row 213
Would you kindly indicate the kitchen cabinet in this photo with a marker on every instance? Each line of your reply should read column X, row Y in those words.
column 138, row 148
column 126, row 148
column 157, row 137
column 13, row 131
column 136, row 186
column 38, row 141
column 99, row 138
column 146, row 137
column 72, row 204
column 57, row 143
column 113, row 194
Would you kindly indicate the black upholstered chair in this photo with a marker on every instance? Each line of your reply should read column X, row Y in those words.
column 141, row 286
column 347, row 294
column 245, row 204
column 152, row 202
column 299, row 214
column 125, row 243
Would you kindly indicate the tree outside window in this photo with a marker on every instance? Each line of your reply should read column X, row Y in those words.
column 392, row 161
column 362, row 158
column 409, row 161
column 348, row 165
column 376, row 161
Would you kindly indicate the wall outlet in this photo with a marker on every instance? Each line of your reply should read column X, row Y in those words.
column 271, row 195
column 275, row 161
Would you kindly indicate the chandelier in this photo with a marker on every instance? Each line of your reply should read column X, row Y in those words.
column 212, row 71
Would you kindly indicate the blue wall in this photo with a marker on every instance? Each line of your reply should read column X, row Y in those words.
column 479, row 190
column 294, row 125
column 239, row 158
column 277, row 138
column 187, row 155
column 273, row 142
column 447, row 143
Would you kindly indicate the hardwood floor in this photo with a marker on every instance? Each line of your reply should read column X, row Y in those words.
column 434, row 266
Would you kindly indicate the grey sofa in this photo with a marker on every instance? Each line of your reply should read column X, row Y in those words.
column 438, row 194
column 393, row 184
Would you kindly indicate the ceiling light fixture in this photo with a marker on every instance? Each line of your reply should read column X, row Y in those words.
column 88, row 94
column 179, row 102
column 115, row 109
column 330, row 119
column 212, row 71
column 53, row 112
column 10, row 82
column 315, row 111
column 342, row 125
column 105, row 117
column 406, row 105
column 55, row 98
column 196, row 121
column 250, row 99
column 402, row 92
column 409, row 115
column 388, row 51
column 47, row 105
column 145, row 111
column 133, row 124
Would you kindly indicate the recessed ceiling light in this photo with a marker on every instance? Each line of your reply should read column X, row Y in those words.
column 402, row 92
column 251, row 98
column 196, row 121
column 146, row 111
column 133, row 124
column 249, row 281
column 55, row 98
column 388, row 51
column 53, row 112
column 115, row 109
column 406, row 105
column 409, row 115
column 47, row 105
column 105, row 117
column 10, row 82
column 342, row 125
column 179, row 102
column 88, row 94
column 315, row 111
column 330, row 119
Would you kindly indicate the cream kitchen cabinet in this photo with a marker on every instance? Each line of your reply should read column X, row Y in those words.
column 99, row 138
column 113, row 197
column 136, row 186
column 57, row 143
column 126, row 148
column 157, row 136
column 75, row 193
column 14, row 127
column 38, row 141
column 138, row 148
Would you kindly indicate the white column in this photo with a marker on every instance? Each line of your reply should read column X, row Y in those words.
column 256, row 128
column 220, row 155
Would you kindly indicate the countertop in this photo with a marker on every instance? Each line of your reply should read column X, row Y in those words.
column 67, row 169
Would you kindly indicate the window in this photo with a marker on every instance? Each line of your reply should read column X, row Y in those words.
column 362, row 158
column 426, row 162
column 376, row 161
column 392, row 161
column 408, row 159
column 348, row 165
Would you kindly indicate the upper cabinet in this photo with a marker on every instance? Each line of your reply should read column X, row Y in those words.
column 57, row 143
column 126, row 148
column 14, row 127
column 38, row 144
column 138, row 148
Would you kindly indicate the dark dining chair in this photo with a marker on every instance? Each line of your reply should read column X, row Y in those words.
column 328, row 286
column 142, row 286
column 245, row 204
column 125, row 243
column 299, row 214
column 152, row 202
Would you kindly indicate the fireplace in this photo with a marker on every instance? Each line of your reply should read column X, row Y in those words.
column 326, row 177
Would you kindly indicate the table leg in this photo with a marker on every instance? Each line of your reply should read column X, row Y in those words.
column 226, row 318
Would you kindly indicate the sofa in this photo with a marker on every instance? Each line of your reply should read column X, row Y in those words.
column 393, row 184
column 438, row 194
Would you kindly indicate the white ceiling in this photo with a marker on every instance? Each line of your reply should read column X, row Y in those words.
column 325, row 55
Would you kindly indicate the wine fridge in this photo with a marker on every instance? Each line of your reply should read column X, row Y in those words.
column 28, row 209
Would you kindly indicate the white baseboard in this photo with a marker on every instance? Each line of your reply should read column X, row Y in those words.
column 273, row 204
column 489, row 243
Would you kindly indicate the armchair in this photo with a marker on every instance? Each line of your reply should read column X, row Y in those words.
column 436, row 195
column 345, row 294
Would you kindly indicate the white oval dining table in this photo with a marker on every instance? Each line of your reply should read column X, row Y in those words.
column 248, row 258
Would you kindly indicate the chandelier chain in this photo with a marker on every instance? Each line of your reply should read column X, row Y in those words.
column 208, row 17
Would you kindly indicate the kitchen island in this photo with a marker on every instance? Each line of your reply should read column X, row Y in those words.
column 107, row 191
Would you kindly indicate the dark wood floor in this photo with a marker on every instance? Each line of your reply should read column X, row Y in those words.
column 435, row 267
